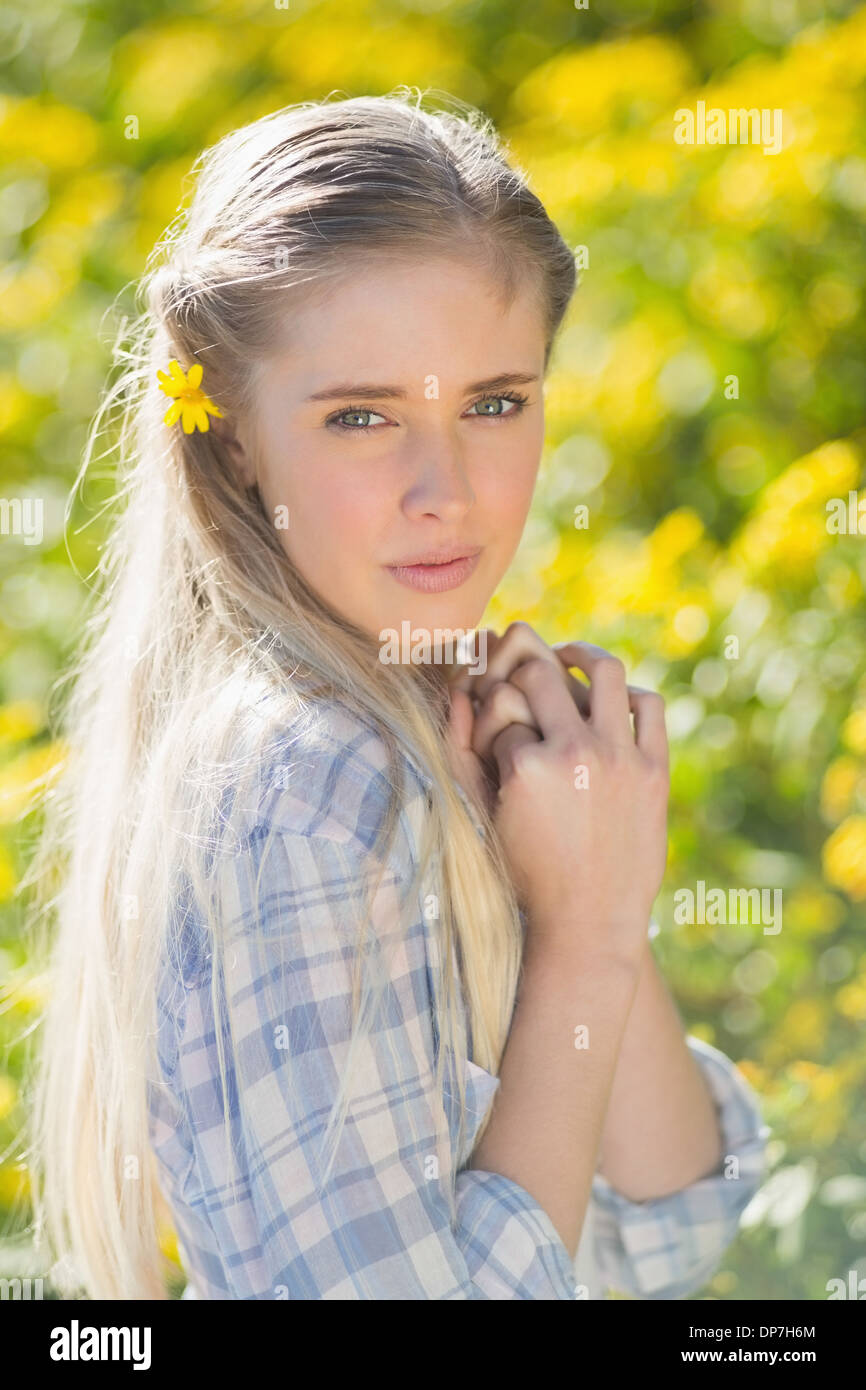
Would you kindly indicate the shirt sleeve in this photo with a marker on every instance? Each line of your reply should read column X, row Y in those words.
column 667, row 1247
column 380, row 1226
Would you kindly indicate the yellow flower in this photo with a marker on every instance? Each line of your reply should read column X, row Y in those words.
column 168, row 1243
column 839, row 787
column 854, row 731
column 844, row 856
column 8, row 1096
column 190, row 404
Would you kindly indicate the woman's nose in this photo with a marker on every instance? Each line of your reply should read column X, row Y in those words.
column 439, row 479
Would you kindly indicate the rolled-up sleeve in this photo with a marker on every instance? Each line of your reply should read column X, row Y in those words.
column 667, row 1247
column 377, row 1224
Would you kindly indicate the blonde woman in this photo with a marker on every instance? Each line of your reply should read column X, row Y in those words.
column 351, row 978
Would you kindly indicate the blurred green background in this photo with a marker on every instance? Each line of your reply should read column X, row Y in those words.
column 706, row 496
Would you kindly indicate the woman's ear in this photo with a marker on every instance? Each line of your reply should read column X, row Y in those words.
column 244, row 466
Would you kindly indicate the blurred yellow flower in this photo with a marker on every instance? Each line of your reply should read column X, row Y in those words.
column 727, row 292
column 168, row 1244
column 675, row 535
column 14, row 1184
column 854, row 731
column 805, row 1023
column 851, row 1000
column 582, row 88
column 688, row 624
column 164, row 68
column 754, row 1073
column 788, row 528
column 8, row 1095
column 838, row 787
column 25, row 993
column 14, row 400
column 812, row 911
column 7, row 874
column 28, row 777
column 61, row 137
column 844, row 857
column 19, row 719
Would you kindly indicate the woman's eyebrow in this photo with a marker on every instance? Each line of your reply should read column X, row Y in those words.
column 358, row 391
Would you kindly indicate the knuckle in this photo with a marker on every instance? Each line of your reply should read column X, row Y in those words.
column 658, row 777
column 500, row 697
column 573, row 751
column 519, row 625
column 617, row 758
column 613, row 665
column 532, row 669
column 524, row 760
column 651, row 697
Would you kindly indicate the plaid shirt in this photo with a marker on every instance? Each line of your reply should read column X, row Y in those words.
column 381, row 1229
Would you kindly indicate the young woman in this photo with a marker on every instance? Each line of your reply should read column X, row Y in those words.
column 352, row 978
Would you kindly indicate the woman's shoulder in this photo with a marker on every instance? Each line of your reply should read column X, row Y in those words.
column 329, row 772
column 321, row 784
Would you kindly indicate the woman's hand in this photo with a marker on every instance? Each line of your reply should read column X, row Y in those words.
column 477, row 774
column 579, row 795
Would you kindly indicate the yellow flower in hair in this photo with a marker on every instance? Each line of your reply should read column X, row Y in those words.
column 190, row 404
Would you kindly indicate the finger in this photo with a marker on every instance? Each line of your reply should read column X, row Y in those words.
column 518, row 643
column 608, row 697
column 549, row 698
column 503, row 705
column 512, row 736
column 464, row 764
column 648, row 708
column 653, row 739
column 461, row 719
column 579, row 691
column 482, row 646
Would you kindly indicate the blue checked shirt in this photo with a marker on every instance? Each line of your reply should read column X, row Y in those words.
column 381, row 1228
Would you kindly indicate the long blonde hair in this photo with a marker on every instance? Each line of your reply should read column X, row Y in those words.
column 198, row 605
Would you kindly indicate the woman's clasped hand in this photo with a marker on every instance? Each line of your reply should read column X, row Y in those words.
column 578, row 797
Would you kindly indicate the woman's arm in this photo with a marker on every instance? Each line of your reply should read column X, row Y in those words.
column 658, row 1090
column 579, row 798
column 635, row 1086
column 660, row 1095
column 550, row 1108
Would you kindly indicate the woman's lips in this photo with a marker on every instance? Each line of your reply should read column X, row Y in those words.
column 435, row 579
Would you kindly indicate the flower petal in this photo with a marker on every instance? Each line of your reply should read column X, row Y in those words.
column 201, row 419
column 188, row 418
column 193, row 376
column 173, row 413
column 211, row 408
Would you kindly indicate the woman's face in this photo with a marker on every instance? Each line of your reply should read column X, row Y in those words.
column 385, row 436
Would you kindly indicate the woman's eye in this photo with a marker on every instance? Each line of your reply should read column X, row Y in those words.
column 516, row 402
column 354, row 419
